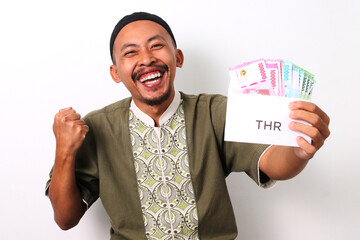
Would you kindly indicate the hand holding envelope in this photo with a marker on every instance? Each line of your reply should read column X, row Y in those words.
column 318, row 130
column 258, row 106
column 283, row 162
column 268, row 102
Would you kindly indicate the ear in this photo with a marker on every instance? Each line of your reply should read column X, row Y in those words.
column 179, row 58
column 114, row 75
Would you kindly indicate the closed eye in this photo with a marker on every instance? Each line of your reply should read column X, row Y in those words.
column 129, row 53
column 157, row 46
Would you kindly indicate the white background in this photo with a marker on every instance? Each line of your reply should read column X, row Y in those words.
column 55, row 54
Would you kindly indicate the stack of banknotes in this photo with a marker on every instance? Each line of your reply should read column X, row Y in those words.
column 273, row 77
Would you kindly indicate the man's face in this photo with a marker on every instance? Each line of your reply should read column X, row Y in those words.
column 145, row 61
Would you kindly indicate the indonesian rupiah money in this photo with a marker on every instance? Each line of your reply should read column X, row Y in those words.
column 273, row 77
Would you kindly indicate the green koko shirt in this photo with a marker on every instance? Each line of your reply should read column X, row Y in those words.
column 162, row 168
column 105, row 167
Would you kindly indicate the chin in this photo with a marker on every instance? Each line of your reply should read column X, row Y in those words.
column 158, row 100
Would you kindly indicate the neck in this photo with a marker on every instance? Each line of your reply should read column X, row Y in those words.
column 155, row 111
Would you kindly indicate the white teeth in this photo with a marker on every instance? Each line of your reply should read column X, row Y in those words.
column 153, row 81
column 152, row 76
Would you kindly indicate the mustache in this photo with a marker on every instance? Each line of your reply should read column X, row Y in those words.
column 161, row 68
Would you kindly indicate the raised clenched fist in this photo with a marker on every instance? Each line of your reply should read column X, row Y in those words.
column 69, row 130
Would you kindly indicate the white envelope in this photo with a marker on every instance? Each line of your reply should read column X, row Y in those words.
column 260, row 119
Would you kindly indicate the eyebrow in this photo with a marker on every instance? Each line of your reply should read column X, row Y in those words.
column 157, row 36
column 128, row 45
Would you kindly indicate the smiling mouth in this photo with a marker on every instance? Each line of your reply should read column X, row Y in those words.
column 151, row 78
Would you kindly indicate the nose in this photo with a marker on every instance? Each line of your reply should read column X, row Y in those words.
column 147, row 58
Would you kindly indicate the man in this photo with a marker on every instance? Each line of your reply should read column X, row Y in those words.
column 158, row 160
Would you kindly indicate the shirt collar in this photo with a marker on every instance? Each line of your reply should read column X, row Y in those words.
column 164, row 117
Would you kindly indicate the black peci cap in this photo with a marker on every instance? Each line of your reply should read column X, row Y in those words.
column 136, row 17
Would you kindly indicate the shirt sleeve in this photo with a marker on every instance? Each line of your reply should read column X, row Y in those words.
column 263, row 180
column 239, row 156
